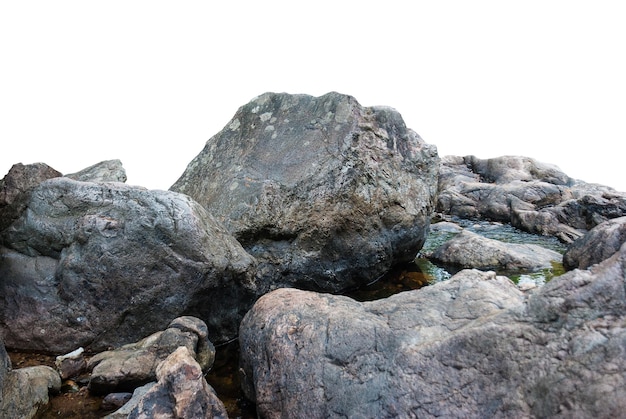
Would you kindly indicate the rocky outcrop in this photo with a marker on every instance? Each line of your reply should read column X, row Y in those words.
column 180, row 392
column 470, row 250
column 599, row 244
column 103, row 264
column 472, row 346
column 324, row 193
column 135, row 364
column 105, row 171
column 533, row 196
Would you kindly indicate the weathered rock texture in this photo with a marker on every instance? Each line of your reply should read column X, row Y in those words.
column 533, row 196
column 105, row 171
column 470, row 250
column 25, row 391
column 135, row 364
column 473, row 346
column 180, row 392
column 598, row 244
column 325, row 193
column 103, row 264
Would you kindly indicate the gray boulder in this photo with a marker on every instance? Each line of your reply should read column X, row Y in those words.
column 25, row 391
column 102, row 264
column 134, row 364
column 598, row 244
column 180, row 392
column 324, row 193
column 533, row 196
column 471, row 250
column 473, row 346
column 105, row 171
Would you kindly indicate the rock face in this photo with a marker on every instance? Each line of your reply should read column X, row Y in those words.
column 103, row 264
column 324, row 193
column 133, row 365
column 532, row 196
column 180, row 392
column 599, row 244
column 472, row 346
column 470, row 250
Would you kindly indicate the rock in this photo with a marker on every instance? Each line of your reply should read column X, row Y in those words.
column 324, row 193
column 133, row 365
column 71, row 364
column 5, row 364
column 99, row 265
column 106, row 171
column 15, row 188
column 467, row 347
column 25, row 392
column 180, row 392
column 470, row 250
column 115, row 400
column 598, row 244
column 124, row 411
column 533, row 196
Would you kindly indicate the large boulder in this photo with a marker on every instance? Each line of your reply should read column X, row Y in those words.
column 102, row 264
column 473, row 346
column 324, row 193
column 598, row 244
column 105, row 171
column 533, row 196
column 471, row 250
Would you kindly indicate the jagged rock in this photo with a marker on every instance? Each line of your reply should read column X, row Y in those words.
column 597, row 245
column 180, row 392
column 105, row 171
column 533, row 196
column 25, row 391
column 135, row 364
column 71, row 364
column 15, row 189
column 324, row 193
column 470, row 250
column 98, row 265
column 466, row 347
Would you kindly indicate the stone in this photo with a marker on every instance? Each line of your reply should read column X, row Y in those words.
column 325, row 194
column 473, row 346
column 25, row 391
column 135, row 364
column 180, row 392
column 471, row 250
column 113, row 401
column 105, row 171
column 532, row 196
column 124, row 411
column 99, row 265
column 598, row 244
column 71, row 364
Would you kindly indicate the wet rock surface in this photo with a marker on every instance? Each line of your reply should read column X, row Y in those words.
column 324, row 193
column 473, row 346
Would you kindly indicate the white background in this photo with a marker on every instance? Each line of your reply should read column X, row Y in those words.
column 149, row 82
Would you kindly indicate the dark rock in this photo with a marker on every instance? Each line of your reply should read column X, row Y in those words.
column 598, row 244
column 470, row 250
column 132, row 365
column 180, row 392
column 324, row 193
column 106, row 171
column 137, row 395
column 98, row 265
column 115, row 400
column 533, row 196
column 467, row 347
